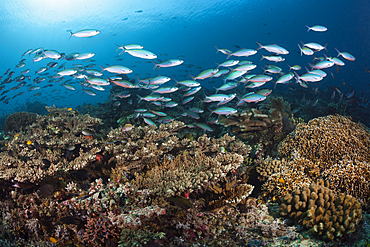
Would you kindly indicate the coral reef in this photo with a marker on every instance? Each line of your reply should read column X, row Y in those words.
column 268, row 167
column 324, row 212
column 17, row 121
column 53, row 144
column 350, row 177
column 328, row 140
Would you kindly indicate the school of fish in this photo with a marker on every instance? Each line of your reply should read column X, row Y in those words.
column 235, row 73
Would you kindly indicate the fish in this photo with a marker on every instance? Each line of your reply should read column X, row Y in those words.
column 242, row 53
column 167, row 63
column 228, row 63
column 141, row 53
column 204, row 74
column 224, row 51
column 117, row 69
column 345, row 55
column 273, row 58
column 89, row 92
column 204, row 127
column 315, row 46
column 85, row 33
column 127, row 127
column 316, row 28
column 52, row 54
column 306, row 51
column 85, row 55
column 150, row 122
column 97, row 81
column 224, row 111
column 273, row 48
column 67, row 72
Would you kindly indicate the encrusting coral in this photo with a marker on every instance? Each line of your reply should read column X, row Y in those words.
column 322, row 211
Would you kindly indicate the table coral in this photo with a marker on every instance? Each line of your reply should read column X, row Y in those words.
column 324, row 212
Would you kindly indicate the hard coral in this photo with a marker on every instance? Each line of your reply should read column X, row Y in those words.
column 324, row 212
column 52, row 144
column 19, row 120
column 350, row 177
column 268, row 167
column 185, row 173
column 328, row 140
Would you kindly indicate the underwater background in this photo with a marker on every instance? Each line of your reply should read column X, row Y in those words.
column 179, row 154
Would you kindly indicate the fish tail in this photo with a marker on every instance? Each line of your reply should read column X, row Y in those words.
column 308, row 28
column 138, row 79
column 218, row 65
column 325, row 47
column 262, row 57
column 117, row 47
column 228, row 55
column 217, row 50
column 155, row 65
column 102, row 68
column 300, row 48
column 71, row 35
column 290, row 67
column 140, row 98
column 192, row 77
column 259, row 44
column 337, row 51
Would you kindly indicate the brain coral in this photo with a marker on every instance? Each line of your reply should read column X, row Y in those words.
column 327, row 140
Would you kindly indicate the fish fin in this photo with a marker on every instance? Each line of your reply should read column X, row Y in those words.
column 338, row 52
column 300, row 48
column 308, row 28
column 71, row 35
column 259, row 44
column 217, row 50
column 155, row 64
column 228, row 55
column 218, row 65
column 262, row 57
column 325, row 47
column 118, row 47
column 102, row 68
column 140, row 98
column 192, row 77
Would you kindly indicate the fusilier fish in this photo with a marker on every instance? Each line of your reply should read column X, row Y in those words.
column 345, row 55
column 117, row 69
column 85, row 33
column 142, row 53
column 316, row 28
column 274, row 49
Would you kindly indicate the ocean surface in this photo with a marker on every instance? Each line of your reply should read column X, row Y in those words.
column 187, row 30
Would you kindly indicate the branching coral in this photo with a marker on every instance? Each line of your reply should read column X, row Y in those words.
column 185, row 173
column 324, row 212
column 54, row 143
column 328, row 140
column 350, row 177
column 268, row 167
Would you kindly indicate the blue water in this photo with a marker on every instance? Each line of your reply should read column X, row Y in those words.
column 189, row 29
